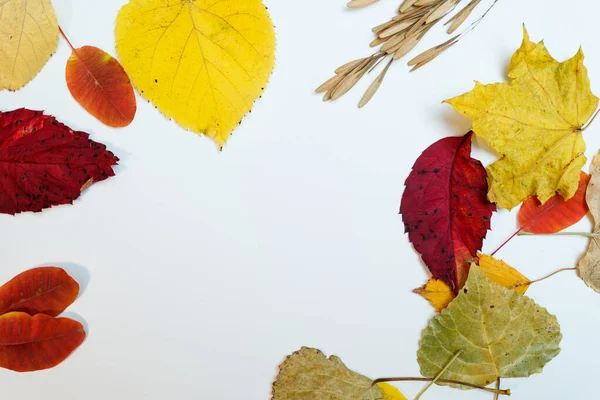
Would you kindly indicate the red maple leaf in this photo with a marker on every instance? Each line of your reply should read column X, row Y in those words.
column 445, row 208
column 45, row 163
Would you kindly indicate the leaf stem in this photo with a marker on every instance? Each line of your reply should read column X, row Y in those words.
column 449, row 381
column 496, row 395
column 587, row 234
column 507, row 240
column 438, row 375
column 547, row 276
column 66, row 38
column 591, row 120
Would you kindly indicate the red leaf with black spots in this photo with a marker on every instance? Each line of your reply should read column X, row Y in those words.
column 555, row 214
column 43, row 290
column 32, row 343
column 44, row 163
column 445, row 208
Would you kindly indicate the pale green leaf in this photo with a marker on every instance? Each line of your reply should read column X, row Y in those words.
column 501, row 334
column 309, row 375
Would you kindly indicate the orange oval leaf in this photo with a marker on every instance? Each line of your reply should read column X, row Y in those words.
column 40, row 342
column 101, row 85
column 44, row 290
column 556, row 214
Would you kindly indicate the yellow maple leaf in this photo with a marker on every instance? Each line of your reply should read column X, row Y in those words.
column 439, row 294
column 535, row 123
column 28, row 37
column 201, row 62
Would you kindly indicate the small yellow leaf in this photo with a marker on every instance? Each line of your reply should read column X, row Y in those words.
column 535, row 123
column 28, row 37
column 201, row 62
column 437, row 292
column 503, row 274
column 390, row 392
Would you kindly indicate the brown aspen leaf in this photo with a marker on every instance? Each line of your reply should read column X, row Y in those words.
column 439, row 294
column 32, row 343
column 100, row 84
column 309, row 374
column 45, row 163
column 557, row 213
column 28, row 37
column 43, row 290
column 496, row 333
column 445, row 210
column 201, row 62
column 589, row 265
column 534, row 122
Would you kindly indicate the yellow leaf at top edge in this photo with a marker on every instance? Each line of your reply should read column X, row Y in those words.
column 439, row 294
column 390, row 392
column 534, row 123
column 503, row 274
column 28, row 37
column 201, row 62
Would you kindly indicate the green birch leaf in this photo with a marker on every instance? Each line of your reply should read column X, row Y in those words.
column 309, row 375
column 501, row 333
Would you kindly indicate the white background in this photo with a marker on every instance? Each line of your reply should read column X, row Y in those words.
column 201, row 270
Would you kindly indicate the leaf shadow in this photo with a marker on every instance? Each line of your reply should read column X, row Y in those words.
column 80, row 273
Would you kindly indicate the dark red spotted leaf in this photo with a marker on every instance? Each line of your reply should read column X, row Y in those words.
column 445, row 208
column 44, row 290
column 31, row 343
column 45, row 163
column 556, row 214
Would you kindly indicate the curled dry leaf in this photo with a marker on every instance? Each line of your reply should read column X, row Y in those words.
column 100, row 84
column 45, row 163
column 589, row 266
column 28, row 37
column 445, row 210
column 201, row 62
column 309, row 374
column 557, row 213
column 43, row 290
column 439, row 294
column 32, row 343
column 498, row 333
column 547, row 103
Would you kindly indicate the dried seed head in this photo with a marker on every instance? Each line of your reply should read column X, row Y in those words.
column 360, row 3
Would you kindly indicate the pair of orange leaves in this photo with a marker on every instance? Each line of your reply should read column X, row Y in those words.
column 100, row 84
column 31, row 337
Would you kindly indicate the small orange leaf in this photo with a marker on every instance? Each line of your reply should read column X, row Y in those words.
column 44, row 290
column 100, row 84
column 34, row 343
column 556, row 214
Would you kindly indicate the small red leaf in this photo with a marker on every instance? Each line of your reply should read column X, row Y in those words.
column 45, row 163
column 445, row 208
column 101, row 85
column 40, row 342
column 44, row 290
column 556, row 214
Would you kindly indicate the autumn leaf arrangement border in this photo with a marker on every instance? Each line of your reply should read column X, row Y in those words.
column 47, row 163
column 485, row 328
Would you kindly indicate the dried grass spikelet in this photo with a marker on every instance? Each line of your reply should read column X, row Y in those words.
column 398, row 37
